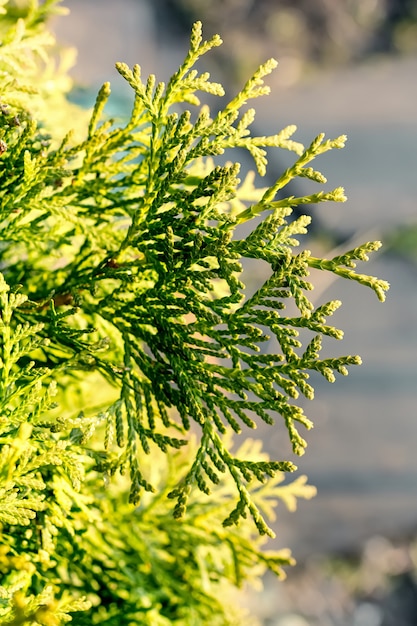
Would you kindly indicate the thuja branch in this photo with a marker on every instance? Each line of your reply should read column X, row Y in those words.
column 149, row 289
column 343, row 266
column 130, row 351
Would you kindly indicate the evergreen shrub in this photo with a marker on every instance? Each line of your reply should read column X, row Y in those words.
column 130, row 350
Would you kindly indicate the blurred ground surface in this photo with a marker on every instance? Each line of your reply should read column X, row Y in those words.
column 362, row 454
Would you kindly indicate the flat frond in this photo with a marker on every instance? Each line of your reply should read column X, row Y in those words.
column 127, row 328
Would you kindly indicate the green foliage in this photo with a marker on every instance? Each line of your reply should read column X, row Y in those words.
column 125, row 326
column 402, row 242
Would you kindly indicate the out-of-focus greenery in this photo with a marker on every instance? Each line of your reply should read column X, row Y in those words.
column 305, row 34
column 403, row 242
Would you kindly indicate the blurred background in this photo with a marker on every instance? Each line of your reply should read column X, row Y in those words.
column 345, row 67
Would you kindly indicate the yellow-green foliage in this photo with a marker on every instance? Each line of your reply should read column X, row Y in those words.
column 125, row 327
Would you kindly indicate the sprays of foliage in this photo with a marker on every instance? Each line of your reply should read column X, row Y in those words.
column 125, row 326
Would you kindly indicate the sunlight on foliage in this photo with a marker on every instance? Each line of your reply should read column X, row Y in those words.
column 130, row 351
